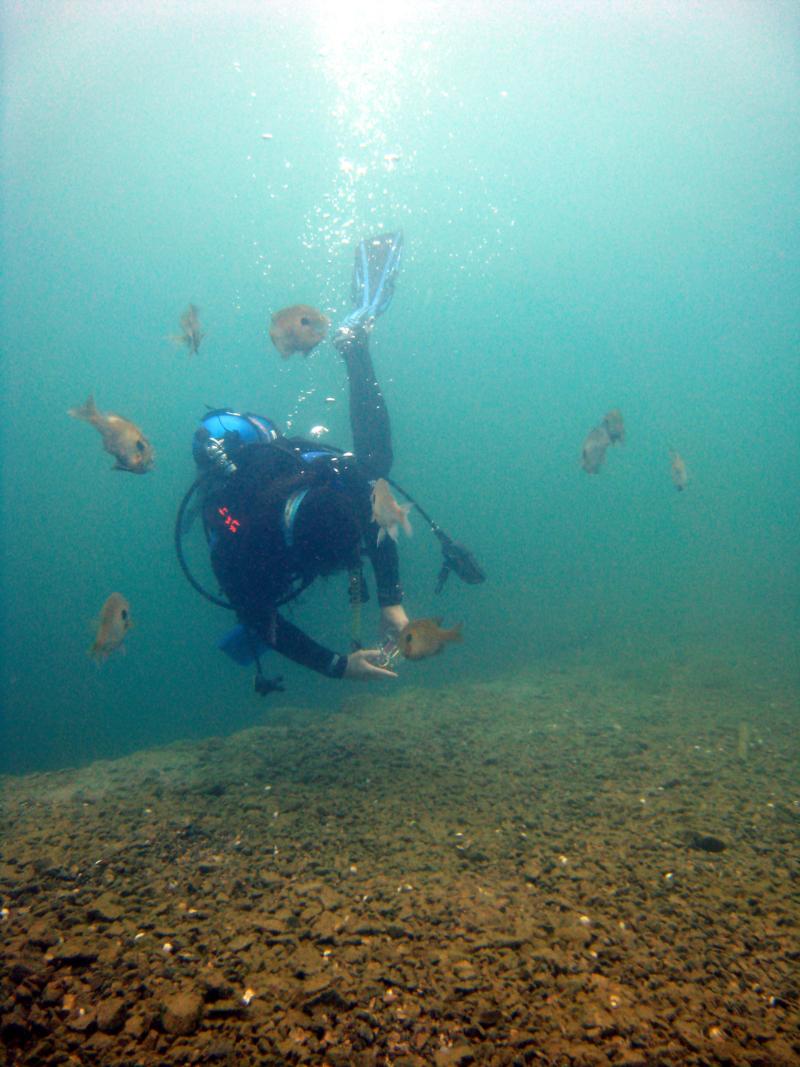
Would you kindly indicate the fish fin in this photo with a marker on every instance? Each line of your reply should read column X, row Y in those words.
column 457, row 633
column 381, row 534
column 87, row 411
column 406, row 508
column 394, row 532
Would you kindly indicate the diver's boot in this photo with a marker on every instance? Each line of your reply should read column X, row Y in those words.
column 351, row 336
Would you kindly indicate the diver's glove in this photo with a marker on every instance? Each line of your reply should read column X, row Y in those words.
column 457, row 558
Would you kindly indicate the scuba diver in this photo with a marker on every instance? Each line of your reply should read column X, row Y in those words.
column 280, row 511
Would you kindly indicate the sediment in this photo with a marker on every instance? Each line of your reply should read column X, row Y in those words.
column 573, row 866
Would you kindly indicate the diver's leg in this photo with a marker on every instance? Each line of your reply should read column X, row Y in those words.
column 369, row 418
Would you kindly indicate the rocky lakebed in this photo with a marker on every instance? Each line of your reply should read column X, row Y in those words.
column 581, row 865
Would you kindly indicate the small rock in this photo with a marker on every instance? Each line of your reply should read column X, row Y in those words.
column 111, row 1015
column 73, row 951
column 181, row 1013
column 703, row 842
column 136, row 1026
column 81, row 1020
column 105, row 909
column 42, row 934
column 457, row 1056
column 218, row 1051
column 216, row 986
column 52, row 994
column 532, row 871
column 489, row 1017
column 224, row 1009
column 13, row 1029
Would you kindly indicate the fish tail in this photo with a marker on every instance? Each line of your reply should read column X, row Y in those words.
column 88, row 411
column 456, row 633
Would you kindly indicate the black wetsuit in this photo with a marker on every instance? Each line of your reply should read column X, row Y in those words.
column 248, row 566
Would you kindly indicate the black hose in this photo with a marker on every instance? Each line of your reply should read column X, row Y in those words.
column 179, row 546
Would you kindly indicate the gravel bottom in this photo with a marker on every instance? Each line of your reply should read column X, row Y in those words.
column 586, row 865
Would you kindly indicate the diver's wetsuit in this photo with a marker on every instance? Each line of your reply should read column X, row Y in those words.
column 244, row 565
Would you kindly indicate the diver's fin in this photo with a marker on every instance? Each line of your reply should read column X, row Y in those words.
column 374, row 275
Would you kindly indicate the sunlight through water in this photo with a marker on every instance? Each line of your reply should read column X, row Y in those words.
column 373, row 57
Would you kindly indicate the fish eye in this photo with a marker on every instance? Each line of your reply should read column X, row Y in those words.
column 305, row 321
column 124, row 614
column 140, row 445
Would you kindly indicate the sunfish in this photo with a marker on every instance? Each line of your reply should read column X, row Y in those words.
column 677, row 468
column 594, row 449
column 121, row 438
column 191, row 335
column 421, row 638
column 113, row 624
column 387, row 513
column 297, row 329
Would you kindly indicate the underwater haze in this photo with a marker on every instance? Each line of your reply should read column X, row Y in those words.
column 600, row 210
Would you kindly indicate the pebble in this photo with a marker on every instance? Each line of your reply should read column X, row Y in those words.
column 181, row 1013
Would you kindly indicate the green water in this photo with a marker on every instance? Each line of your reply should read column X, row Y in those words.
column 600, row 205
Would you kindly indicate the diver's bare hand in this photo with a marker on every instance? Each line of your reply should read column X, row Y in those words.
column 363, row 665
column 393, row 619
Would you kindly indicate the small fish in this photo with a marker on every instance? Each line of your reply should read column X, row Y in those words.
column 594, row 449
column 121, row 438
column 388, row 514
column 115, row 621
column 677, row 468
column 191, row 335
column 615, row 427
column 421, row 638
column 297, row 329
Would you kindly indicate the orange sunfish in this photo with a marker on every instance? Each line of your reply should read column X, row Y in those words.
column 115, row 621
column 297, row 329
column 387, row 513
column 421, row 638
column 191, row 335
column 122, row 439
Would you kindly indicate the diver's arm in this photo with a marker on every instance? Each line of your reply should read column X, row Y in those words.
column 296, row 645
column 386, row 566
column 291, row 642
